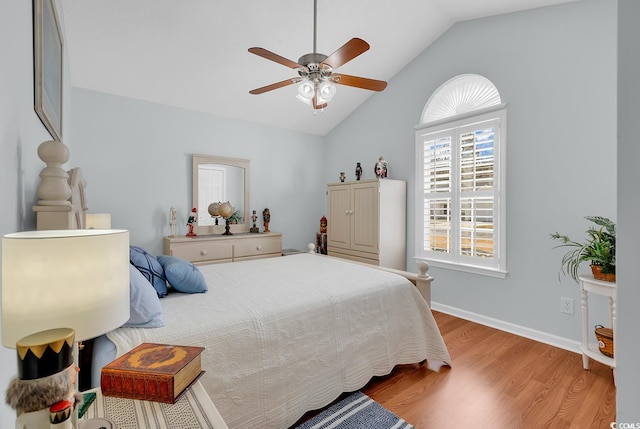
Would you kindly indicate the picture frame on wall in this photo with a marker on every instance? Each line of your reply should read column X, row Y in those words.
column 47, row 60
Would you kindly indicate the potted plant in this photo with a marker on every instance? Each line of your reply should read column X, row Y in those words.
column 235, row 217
column 599, row 249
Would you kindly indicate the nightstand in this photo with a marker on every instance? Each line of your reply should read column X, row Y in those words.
column 590, row 350
column 193, row 409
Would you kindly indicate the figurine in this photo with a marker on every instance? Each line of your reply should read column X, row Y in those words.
column 342, row 176
column 191, row 221
column 266, row 217
column 358, row 171
column 254, row 218
column 321, row 237
column 172, row 221
column 45, row 385
column 381, row 168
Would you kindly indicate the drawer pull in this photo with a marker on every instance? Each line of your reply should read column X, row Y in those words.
column 258, row 247
column 203, row 252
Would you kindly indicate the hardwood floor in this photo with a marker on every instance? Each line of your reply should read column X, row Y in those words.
column 498, row 380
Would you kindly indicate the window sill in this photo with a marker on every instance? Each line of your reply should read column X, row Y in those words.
column 473, row 269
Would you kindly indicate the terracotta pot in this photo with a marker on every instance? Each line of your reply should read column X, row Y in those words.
column 597, row 274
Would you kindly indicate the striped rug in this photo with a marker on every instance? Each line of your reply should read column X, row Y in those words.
column 356, row 411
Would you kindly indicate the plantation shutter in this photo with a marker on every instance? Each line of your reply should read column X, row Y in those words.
column 437, row 163
column 459, row 173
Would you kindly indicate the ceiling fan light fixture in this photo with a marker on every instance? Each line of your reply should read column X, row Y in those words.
column 317, row 81
column 306, row 90
column 326, row 91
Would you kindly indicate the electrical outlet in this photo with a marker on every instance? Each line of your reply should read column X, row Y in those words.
column 566, row 305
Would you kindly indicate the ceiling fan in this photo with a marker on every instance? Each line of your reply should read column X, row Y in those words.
column 316, row 71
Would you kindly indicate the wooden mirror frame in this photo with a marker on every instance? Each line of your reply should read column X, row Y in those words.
column 198, row 160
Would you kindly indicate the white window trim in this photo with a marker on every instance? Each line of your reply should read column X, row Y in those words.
column 497, row 111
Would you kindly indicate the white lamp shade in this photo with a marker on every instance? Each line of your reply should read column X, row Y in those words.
column 97, row 221
column 327, row 91
column 306, row 90
column 76, row 279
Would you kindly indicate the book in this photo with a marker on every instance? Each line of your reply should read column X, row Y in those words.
column 152, row 372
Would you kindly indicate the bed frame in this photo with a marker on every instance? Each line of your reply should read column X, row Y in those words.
column 422, row 280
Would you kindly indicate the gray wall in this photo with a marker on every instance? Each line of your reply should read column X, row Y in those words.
column 20, row 134
column 136, row 158
column 556, row 69
column 627, row 346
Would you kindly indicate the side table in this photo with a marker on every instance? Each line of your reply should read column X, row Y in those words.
column 194, row 409
column 590, row 350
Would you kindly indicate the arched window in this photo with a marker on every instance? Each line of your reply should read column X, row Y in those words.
column 461, row 160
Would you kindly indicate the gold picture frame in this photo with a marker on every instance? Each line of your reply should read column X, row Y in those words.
column 47, row 60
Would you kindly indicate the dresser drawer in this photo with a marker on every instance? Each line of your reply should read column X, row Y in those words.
column 199, row 251
column 260, row 245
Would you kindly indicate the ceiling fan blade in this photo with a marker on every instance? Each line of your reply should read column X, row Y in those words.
column 261, row 52
column 346, row 53
column 276, row 85
column 358, row 82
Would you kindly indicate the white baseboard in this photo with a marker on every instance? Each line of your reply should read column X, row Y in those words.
column 543, row 337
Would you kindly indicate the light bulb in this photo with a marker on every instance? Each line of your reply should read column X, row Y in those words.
column 306, row 90
column 327, row 91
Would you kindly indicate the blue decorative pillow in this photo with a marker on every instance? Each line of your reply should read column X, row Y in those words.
column 182, row 275
column 145, row 310
column 149, row 266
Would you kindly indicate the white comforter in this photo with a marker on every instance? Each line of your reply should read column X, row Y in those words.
column 287, row 335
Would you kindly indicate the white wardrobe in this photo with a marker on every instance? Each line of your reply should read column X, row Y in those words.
column 367, row 221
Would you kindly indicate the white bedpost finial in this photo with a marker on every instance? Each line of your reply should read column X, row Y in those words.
column 54, row 189
column 311, row 248
column 423, row 267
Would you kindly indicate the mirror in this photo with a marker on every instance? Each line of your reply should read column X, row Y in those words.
column 218, row 179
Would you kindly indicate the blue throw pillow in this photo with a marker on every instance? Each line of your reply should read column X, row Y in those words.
column 145, row 310
column 182, row 275
column 149, row 266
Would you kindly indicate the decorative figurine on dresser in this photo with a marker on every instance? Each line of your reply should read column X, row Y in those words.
column 266, row 218
column 358, row 171
column 254, row 229
column 381, row 168
column 191, row 221
column 172, row 222
column 342, row 176
column 43, row 394
column 321, row 237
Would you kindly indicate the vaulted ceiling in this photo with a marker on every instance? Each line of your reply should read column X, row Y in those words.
column 193, row 54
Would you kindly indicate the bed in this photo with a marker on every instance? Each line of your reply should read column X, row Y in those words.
column 286, row 335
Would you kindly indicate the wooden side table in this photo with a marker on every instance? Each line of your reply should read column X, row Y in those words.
column 590, row 350
column 193, row 409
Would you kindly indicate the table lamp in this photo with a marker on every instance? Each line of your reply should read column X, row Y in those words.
column 76, row 279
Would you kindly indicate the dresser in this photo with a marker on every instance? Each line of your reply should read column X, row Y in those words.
column 367, row 221
column 211, row 249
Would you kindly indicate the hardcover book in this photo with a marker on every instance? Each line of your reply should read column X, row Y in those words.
column 152, row 372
